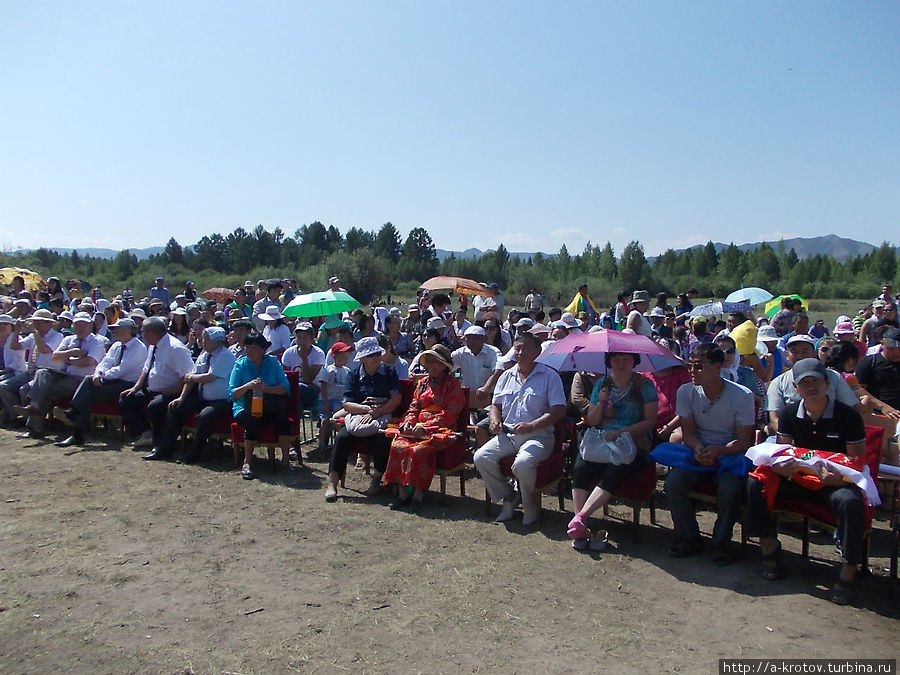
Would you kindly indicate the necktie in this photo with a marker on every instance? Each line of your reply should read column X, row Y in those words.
column 203, row 364
column 120, row 354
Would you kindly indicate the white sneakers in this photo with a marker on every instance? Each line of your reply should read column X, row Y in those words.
column 509, row 508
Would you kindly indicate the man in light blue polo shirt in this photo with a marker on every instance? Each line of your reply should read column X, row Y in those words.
column 528, row 400
column 209, row 398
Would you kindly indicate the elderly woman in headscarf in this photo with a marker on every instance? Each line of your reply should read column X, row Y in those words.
column 435, row 408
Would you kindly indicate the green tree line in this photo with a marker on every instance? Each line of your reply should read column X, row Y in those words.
column 373, row 262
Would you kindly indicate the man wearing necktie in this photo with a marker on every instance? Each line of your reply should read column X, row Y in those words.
column 209, row 397
column 161, row 380
column 117, row 371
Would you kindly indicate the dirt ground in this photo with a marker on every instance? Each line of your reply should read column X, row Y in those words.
column 112, row 564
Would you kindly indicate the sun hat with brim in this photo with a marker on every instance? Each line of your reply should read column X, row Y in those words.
column 272, row 313
column 878, row 303
column 332, row 322
column 413, row 307
column 22, row 301
column 767, row 334
column 65, row 314
column 394, row 311
column 180, row 311
column 808, row 368
column 334, row 280
column 368, row 346
column 156, row 302
column 340, row 347
column 540, row 329
column 82, row 317
column 801, row 338
column 304, row 327
column 124, row 323
column 568, row 320
column 844, row 328
column 658, row 311
column 745, row 336
column 435, row 322
column 43, row 315
column 474, row 330
column 6, row 318
column 138, row 312
column 640, row 296
column 525, row 323
column 891, row 337
column 441, row 353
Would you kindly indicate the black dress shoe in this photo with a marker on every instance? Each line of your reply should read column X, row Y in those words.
column 74, row 439
column 156, row 455
column 189, row 458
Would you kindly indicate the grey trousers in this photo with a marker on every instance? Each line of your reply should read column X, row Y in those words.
column 48, row 386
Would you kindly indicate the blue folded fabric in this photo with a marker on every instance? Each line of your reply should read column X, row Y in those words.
column 676, row 454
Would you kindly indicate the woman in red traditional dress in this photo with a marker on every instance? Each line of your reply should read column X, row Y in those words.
column 426, row 429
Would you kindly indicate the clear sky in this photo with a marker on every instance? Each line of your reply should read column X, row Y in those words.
column 526, row 123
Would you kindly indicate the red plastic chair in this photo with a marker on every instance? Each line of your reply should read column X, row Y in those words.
column 822, row 515
column 107, row 412
column 267, row 435
column 221, row 430
column 637, row 491
column 550, row 472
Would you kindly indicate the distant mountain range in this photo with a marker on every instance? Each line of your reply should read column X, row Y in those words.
column 837, row 247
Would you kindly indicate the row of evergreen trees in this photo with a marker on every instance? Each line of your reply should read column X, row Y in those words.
column 371, row 263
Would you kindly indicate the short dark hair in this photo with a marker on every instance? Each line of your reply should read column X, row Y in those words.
column 242, row 323
column 274, row 284
column 607, row 358
column 440, row 299
column 257, row 339
column 530, row 337
column 739, row 317
column 710, row 351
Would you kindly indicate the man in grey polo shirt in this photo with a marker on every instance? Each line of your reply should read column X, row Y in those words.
column 781, row 391
column 717, row 418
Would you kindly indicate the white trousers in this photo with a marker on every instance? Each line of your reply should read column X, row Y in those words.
column 530, row 450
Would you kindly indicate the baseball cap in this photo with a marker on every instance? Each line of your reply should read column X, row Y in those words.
column 81, row 317
column 525, row 323
column 215, row 333
column 124, row 323
column 801, row 338
column 844, row 328
column 474, row 330
column 341, row 347
column 891, row 337
column 808, row 368
column 304, row 327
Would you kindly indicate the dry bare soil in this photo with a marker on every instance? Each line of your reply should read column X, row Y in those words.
column 111, row 564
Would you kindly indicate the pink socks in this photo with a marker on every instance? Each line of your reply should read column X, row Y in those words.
column 577, row 528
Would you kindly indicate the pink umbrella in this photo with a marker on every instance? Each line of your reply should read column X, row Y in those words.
column 586, row 351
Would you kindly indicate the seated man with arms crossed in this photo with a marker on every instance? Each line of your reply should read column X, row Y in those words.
column 79, row 354
column 528, row 400
column 117, row 371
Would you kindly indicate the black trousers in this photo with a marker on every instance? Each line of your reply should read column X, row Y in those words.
column 86, row 396
column 209, row 412
column 845, row 503
column 137, row 421
column 379, row 448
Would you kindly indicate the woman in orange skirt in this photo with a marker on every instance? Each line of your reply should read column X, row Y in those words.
column 426, row 429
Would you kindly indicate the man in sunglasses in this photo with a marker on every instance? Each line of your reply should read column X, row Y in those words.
column 717, row 422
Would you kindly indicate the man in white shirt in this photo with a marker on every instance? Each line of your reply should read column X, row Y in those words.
column 528, row 401
column 161, row 380
column 117, row 371
column 12, row 362
column 475, row 363
column 39, row 346
column 209, row 398
column 79, row 354
column 308, row 360
column 273, row 292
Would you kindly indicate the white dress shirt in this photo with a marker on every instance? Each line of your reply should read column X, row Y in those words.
column 475, row 369
column 124, row 361
column 14, row 359
column 92, row 345
column 167, row 362
column 52, row 340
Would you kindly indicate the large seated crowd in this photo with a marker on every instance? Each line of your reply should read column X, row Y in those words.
column 398, row 386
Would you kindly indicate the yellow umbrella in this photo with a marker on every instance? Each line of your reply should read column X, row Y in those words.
column 33, row 280
column 774, row 304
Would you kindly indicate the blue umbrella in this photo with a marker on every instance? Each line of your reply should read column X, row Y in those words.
column 753, row 294
column 713, row 308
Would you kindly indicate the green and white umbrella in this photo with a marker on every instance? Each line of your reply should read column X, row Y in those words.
column 322, row 303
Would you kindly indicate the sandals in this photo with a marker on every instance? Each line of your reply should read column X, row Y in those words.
column 842, row 592
column 773, row 571
column 247, row 472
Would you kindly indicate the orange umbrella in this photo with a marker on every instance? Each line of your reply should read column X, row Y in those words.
column 458, row 284
column 220, row 295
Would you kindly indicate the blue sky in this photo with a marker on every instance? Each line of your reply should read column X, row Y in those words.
column 531, row 124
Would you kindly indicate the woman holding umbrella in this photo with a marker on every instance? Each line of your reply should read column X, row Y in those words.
column 623, row 411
